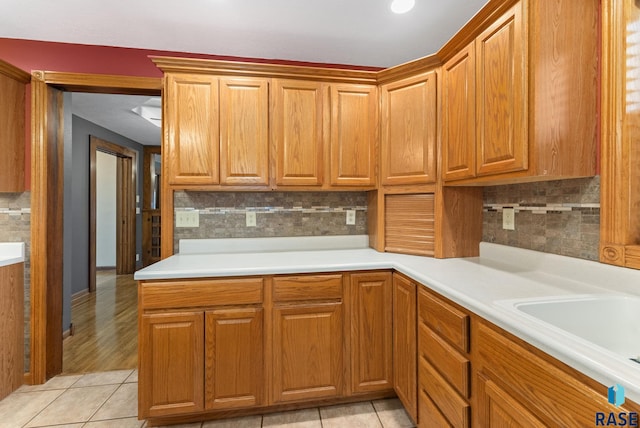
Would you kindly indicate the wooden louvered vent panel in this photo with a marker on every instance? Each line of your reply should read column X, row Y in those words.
column 409, row 224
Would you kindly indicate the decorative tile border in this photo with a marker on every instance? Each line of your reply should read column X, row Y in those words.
column 271, row 210
column 15, row 211
column 541, row 208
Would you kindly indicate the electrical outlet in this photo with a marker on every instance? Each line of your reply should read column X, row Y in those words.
column 251, row 219
column 137, row 257
column 189, row 218
column 509, row 219
column 351, row 217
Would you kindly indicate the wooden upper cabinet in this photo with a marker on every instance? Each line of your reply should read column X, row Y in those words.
column 12, row 127
column 354, row 121
column 297, row 132
column 502, row 95
column 191, row 150
column 409, row 130
column 536, row 96
column 244, row 131
column 458, row 115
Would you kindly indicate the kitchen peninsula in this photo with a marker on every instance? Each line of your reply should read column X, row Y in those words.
column 291, row 323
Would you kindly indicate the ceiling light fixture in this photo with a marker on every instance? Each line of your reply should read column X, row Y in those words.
column 151, row 111
column 402, row 6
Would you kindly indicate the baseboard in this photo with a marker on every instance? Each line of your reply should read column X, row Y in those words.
column 105, row 268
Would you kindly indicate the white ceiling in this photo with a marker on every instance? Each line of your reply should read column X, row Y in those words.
column 357, row 32
column 114, row 112
column 354, row 32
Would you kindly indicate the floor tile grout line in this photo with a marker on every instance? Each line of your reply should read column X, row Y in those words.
column 42, row 410
column 105, row 401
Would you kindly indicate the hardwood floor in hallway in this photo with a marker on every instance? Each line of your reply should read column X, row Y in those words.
column 106, row 327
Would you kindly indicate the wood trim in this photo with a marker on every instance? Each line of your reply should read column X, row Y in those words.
column 480, row 21
column 46, row 231
column 251, row 69
column 103, row 83
column 125, row 202
column 14, row 72
column 616, row 229
column 148, row 153
column 409, row 69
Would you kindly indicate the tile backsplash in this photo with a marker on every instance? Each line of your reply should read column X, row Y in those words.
column 559, row 217
column 15, row 226
column 223, row 214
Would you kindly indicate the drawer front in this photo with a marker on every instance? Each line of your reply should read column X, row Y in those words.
column 428, row 414
column 449, row 322
column 453, row 366
column 451, row 405
column 198, row 293
column 307, row 287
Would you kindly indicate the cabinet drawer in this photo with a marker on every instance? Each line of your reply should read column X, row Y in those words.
column 307, row 287
column 449, row 322
column 428, row 413
column 198, row 293
column 452, row 406
column 453, row 366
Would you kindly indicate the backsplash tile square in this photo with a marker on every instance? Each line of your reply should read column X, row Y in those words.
column 559, row 217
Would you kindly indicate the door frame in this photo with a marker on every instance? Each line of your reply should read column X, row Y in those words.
column 46, row 214
column 126, row 160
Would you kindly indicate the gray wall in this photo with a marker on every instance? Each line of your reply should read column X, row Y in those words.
column 76, row 209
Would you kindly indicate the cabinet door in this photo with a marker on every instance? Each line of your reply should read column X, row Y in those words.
column 371, row 347
column 353, row 135
column 502, row 95
column 404, row 343
column 171, row 354
column 12, row 131
column 409, row 131
column 234, row 358
column 497, row 408
column 307, row 352
column 459, row 116
column 191, row 119
column 297, row 121
column 244, row 136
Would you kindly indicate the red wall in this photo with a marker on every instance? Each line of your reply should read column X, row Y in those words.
column 30, row 55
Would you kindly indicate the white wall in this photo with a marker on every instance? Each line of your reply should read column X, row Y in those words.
column 105, row 210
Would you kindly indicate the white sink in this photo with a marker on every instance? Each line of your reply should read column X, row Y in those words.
column 609, row 321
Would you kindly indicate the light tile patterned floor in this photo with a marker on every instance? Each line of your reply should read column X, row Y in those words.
column 109, row 400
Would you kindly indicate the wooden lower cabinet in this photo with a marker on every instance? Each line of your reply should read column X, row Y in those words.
column 171, row 354
column 405, row 343
column 444, row 362
column 234, row 358
column 371, row 332
column 307, row 351
column 518, row 385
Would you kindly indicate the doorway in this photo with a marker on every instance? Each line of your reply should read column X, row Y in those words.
column 45, row 359
column 125, row 207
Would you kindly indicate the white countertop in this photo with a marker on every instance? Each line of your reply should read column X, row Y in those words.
column 11, row 253
column 476, row 283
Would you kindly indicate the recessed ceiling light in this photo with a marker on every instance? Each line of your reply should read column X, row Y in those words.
column 402, row 6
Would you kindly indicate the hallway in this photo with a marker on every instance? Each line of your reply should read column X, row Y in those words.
column 106, row 327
